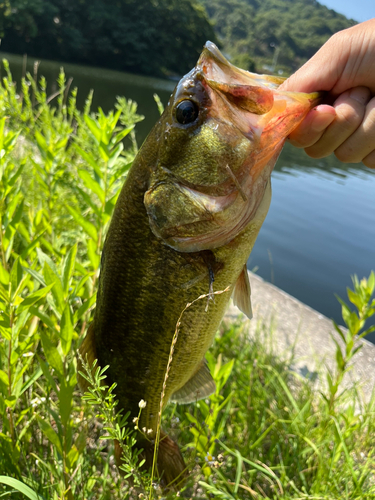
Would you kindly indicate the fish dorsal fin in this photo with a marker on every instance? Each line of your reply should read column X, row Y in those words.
column 242, row 293
column 88, row 352
column 201, row 385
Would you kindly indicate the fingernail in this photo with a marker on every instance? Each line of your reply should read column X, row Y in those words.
column 360, row 94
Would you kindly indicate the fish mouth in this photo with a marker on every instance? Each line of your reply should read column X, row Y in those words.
column 252, row 102
column 247, row 91
column 238, row 104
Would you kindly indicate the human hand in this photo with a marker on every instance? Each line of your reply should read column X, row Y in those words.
column 345, row 68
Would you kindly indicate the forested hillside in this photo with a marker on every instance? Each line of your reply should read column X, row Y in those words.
column 142, row 36
column 273, row 35
column 164, row 37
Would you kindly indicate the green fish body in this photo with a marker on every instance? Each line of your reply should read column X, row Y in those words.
column 184, row 226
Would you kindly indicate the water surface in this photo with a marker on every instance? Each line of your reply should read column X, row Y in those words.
column 320, row 229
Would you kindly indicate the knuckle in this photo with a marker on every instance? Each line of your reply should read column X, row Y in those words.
column 316, row 153
column 369, row 161
column 303, row 141
column 349, row 116
column 345, row 155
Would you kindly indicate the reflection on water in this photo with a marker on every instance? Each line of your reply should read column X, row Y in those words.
column 107, row 85
column 319, row 230
column 320, row 227
column 297, row 159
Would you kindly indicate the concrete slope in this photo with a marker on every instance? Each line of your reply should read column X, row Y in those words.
column 300, row 330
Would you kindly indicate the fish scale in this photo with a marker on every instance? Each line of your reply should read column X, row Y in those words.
column 183, row 226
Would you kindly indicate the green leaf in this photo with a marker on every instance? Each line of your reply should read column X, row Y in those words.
column 47, row 374
column 354, row 298
column 91, row 184
column 94, row 128
column 225, row 372
column 4, row 296
column 72, row 456
column 81, row 283
column 32, row 245
column 339, row 331
column 5, row 332
column 63, row 142
column 65, row 398
column 52, row 354
column 111, row 203
column 14, row 177
column 42, row 257
column 84, row 307
column 21, row 487
column 44, row 317
column 43, row 146
column 66, row 330
column 95, row 208
column 371, row 282
column 29, row 382
column 16, row 275
column 90, row 160
column 68, row 268
column 4, row 378
column 238, row 471
column 120, row 136
column 93, row 256
column 159, row 104
column 104, row 151
column 4, row 276
column 10, row 401
column 121, row 171
column 114, row 154
column 339, row 358
column 37, row 276
column 34, row 297
column 50, row 433
column 13, row 203
column 57, row 290
column 87, row 226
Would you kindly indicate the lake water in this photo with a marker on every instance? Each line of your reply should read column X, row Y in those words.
column 320, row 229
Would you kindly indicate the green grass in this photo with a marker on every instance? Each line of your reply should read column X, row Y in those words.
column 265, row 433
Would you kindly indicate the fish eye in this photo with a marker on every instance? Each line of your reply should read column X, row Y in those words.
column 186, row 112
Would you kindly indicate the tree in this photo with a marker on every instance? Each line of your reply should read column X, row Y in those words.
column 151, row 37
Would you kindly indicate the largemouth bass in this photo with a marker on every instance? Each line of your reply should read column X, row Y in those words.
column 184, row 225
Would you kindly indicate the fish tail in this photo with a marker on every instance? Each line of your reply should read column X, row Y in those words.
column 87, row 351
column 171, row 468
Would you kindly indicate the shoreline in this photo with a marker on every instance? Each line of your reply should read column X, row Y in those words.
column 299, row 330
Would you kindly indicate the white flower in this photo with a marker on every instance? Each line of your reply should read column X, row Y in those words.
column 37, row 401
column 142, row 404
column 209, row 459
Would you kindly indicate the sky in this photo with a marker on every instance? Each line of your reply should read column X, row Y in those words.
column 359, row 10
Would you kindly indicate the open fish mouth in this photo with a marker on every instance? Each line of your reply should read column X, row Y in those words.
column 243, row 113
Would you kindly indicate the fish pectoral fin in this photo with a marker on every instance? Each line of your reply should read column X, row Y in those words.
column 242, row 293
column 201, row 385
column 88, row 354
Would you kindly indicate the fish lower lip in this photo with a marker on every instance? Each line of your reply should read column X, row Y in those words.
column 227, row 186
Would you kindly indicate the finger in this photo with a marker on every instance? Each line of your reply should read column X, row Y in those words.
column 313, row 126
column 350, row 110
column 369, row 161
column 360, row 144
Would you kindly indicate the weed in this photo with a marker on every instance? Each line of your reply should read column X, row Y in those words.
column 265, row 433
